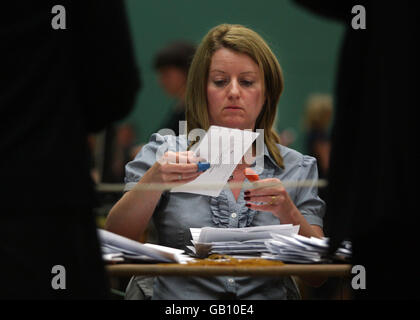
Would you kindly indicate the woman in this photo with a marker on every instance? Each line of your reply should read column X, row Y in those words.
column 234, row 81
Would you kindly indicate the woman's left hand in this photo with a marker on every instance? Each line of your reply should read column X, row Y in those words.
column 274, row 197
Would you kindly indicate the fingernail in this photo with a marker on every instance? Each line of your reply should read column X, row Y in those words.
column 247, row 198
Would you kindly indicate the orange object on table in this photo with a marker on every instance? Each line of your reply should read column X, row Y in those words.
column 251, row 175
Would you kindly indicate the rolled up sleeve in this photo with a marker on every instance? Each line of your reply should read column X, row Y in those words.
column 135, row 169
column 310, row 205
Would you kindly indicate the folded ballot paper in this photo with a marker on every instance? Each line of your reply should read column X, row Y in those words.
column 241, row 243
column 116, row 248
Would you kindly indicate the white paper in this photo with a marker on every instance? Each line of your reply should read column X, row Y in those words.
column 195, row 233
column 249, row 241
column 296, row 248
column 116, row 243
column 223, row 148
column 209, row 235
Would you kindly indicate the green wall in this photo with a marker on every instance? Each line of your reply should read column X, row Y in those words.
column 306, row 46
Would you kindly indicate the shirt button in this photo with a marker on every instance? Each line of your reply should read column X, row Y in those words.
column 233, row 215
column 230, row 280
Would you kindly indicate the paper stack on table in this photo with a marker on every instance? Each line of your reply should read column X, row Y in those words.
column 296, row 249
column 242, row 243
column 300, row 249
column 344, row 252
column 116, row 248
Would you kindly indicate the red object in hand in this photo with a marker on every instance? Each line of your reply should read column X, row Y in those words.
column 251, row 175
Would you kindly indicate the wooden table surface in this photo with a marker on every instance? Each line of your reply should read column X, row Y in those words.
column 169, row 269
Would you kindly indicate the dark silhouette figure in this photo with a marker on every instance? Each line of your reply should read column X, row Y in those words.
column 372, row 173
column 59, row 86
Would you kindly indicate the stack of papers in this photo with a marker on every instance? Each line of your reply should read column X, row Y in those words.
column 344, row 252
column 296, row 249
column 116, row 248
column 237, row 242
column 300, row 249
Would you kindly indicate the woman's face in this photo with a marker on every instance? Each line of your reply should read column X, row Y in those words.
column 235, row 93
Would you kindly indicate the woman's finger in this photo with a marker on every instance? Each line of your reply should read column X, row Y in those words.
column 268, row 199
column 267, row 183
column 260, row 207
column 181, row 177
column 179, row 168
column 180, row 157
column 271, row 186
column 263, row 192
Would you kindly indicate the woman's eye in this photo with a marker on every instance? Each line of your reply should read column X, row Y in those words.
column 247, row 83
column 219, row 83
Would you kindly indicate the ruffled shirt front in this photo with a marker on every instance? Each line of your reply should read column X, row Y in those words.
column 221, row 208
column 176, row 213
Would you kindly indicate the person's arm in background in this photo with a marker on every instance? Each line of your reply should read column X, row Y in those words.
column 108, row 71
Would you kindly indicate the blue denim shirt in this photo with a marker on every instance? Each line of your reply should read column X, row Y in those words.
column 176, row 213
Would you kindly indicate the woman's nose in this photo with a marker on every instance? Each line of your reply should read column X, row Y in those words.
column 234, row 90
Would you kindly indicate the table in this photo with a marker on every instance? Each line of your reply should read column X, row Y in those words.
column 170, row 269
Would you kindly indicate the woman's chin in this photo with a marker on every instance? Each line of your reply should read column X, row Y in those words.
column 235, row 125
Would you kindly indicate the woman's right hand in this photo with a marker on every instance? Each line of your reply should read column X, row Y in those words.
column 174, row 168
column 130, row 219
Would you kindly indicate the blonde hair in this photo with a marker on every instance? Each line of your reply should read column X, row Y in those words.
column 318, row 113
column 243, row 40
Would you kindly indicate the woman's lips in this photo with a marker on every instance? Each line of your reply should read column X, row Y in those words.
column 233, row 107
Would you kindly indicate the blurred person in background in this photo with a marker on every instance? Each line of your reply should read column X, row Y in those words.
column 318, row 115
column 172, row 64
column 124, row 144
